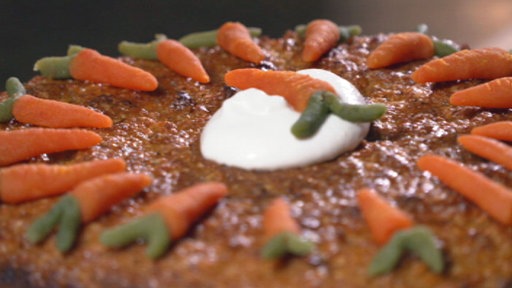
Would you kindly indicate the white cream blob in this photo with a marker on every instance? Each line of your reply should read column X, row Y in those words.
column 252, row 130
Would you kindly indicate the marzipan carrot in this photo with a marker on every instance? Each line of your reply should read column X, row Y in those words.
column 488, row 148
column 167, row 219
column 484, row 63
column 491, row 196
column 179, row 58
column 22, row 144
column 56, row 114
column 383, row 219
column 501, row 130
column 493, row 94
column 97, row 195
column 277, row 219
column 86, row 202
column 15, row 90
column 321, row 36
column 182, row 209
column 171, row 53
column 281, row 232
column 236, row 39
column 28, row 182
column 399, row 48
column 296, row 88
column 90, row 65
column 209, row 38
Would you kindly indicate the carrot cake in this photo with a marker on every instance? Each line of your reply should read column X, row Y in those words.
column 182, row 130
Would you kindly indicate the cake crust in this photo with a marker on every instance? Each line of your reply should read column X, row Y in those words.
column 158, row 133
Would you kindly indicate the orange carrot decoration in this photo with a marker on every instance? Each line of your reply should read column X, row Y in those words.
column 501, row 130
column 491, row 196
column 277, row 219
column 28, row 182
column 171, row 53
column 493, row 94
column 22, row 144
column 236, row 39
column 399, row 48
column 86, row 202
column 488, row 148
column 89, row 65
column 55, row 114
column 281, row 232
column 182, row 209
column 296, row 88
column 485, row 63
column 97, row 195
column 321, row 36
column 167, row 219
column 181, row 59
column 382, row 218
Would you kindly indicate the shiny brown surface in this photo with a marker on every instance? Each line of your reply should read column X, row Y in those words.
column 159, row 132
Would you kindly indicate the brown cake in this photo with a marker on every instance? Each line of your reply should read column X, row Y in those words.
column 158, row 133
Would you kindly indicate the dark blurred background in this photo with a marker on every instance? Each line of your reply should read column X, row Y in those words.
column 30, row 30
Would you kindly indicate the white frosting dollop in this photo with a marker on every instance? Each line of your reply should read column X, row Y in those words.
column 252, row 130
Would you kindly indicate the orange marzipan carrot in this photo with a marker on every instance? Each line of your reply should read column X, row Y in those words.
column 321, row 36
column 90, row 65
column 399, row 48
column 181, row 209
column 493, row 94
column 236, row 39
column 491, row 196
column 56, row 114
column 98, row 195
column 484, row 63
column 22, row 144
column 501, row 130
column 296, row 88
column 488, row 148
column 28, row 182
column 277, row 219
column 383, row 219
column 181, row 59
